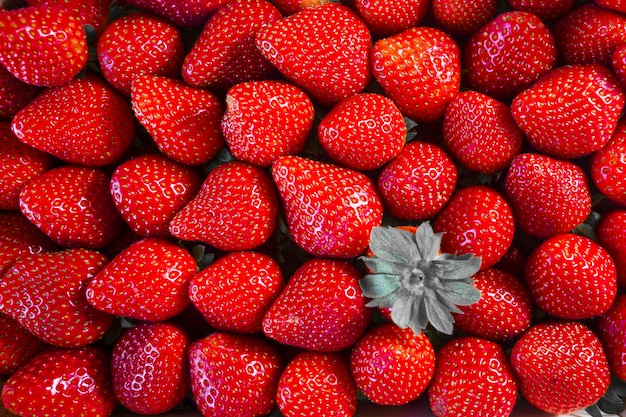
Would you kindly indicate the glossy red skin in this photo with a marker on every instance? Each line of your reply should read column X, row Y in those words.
column 385, row 18
column 611, row 233
column 611, row 329
column 90, row 12
column 462, row 18
column 17, row 345
column 183, row 13
column 608, row 166
column 14, row 94
column 545, row 10
column 618, row 63
column 617, row 5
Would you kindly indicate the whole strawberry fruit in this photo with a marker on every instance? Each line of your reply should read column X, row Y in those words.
column 611, row 329
column 611, row 233
column 608, row 166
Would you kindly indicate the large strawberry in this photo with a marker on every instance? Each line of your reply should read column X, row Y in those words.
column 14, row 94
column 611, row 234
column 385, row 18
column 181, row 12
column 608, row 166
column 17, row 345
column 611, row 329
column 462, row 18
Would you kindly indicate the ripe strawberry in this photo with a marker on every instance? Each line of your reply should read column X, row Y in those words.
column 149, row 367
column 289, row 7
column 17, row 345
column 610, row 233
column 147, row 281
column 235, row 209
column 611, row 330
column 389, row 18
column 330, row 69
column 323, row 376
column 94, row 13
column 609, row 164
column 45, row 293
column 617, row 5
column 561, row 367
column 462, row 18
column 363, row 132
column 417, row 183
column 392, row 366
column 546, row 10
column 14, row 94
column 320, row 309
column 266, row 119
column 419, row 69
column 570, row 112
column 473, row 377
column 225, row 53
column 496, row 56
column 181, row 12
column 329, row 210
column 234, row 292
column 62, row 382
column 149, row 190
column 548, row 196
column 480, row 132
column 42, row 45
column 182, row 120
column 234, row 375
column 100, row 136
column 618, row 63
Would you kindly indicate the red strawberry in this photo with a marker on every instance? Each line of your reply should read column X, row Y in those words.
column 234, row 292
column 266, row 119
column 330, row 210
column 389, row 18
column 419, row 69
column 548, row 196
column 497, row 55
column 42, row 45
column 392, row 366
column 570, row 112
column 94, row 13
column 320, row 309
column 149, row 190
column 139, row 44
column 182, row 120
column 235, row 209
column 618, row 63
column 234, row 375
column 611, row 329
column 146, row 281
column 334, row 66
column 225, row 53
column 45, row 293
column 289, row 7
column 17, row 345
column 608, row 166
column 323, row 376
column 546, row 10
column 149, row 367
column 14, row 94
column 617, row 5
column 181, row 12
column 480, row 132
column 62, row 382
column 561, row 367
column 83, row 122
column 363, row 132
column 462, row 18
column 611, row 233
column 473, row 377
column 513, row 261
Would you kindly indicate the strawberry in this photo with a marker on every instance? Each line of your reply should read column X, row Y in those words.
column 418, row 182
column 62, row 382
column 472, row 377
column 513, row 261
column 496, row 55
column 477, row 220
column 100, row 136
column 43, row 45
column 419, row 69
column 321, row 308
column 462, row 18
column 611, row 330
column 389, row 18
column 392, row 366
column 363, row 132
column 480, row 132
column 147, row 281
column 234, row 375
column 94, row 13
column 609, row 164
column 45, row 293
column 149, row 367
column 548, row 11
column 235, row 209
column 618, row 63
column 182, row 13
column 330, row 69
column 561, row 367
column 139, row 44
column 617, row 5
column 323, row 376
column 289, row 7
column 149, row 190
column 266, row 119
column 548, row 196
column 329, row 210
column 594, row 101
column 235, row 291
column 182, row 120
column 14, row 94
column 225, row 53
column 610, row 233
column 17, row 345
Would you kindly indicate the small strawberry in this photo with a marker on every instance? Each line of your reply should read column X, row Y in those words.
column 289, row 7
column 611, row 330
column 473, row 377
column 320, row 309
column 94, row 13
column 385, row 18
column 334, row 66
column 149, row 367
column 611, row 233
column 548, row 196
column 235, row 209
column 234, row 375
column 14, row 94
column 546, row 10
column 146, row 281
column 561, row 367
column 462, row 18
column 418, row 182
column 17, row 345
column 266, row 119
column 183, row 121
column 330, row 210
column 235, row 291
column 363, row 132
column 181, row 12
column 608, row 166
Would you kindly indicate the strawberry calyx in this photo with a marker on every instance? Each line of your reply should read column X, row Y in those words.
column 419, row 284
column 612, row 402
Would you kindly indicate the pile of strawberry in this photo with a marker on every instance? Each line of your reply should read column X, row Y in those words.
column 281, row 206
